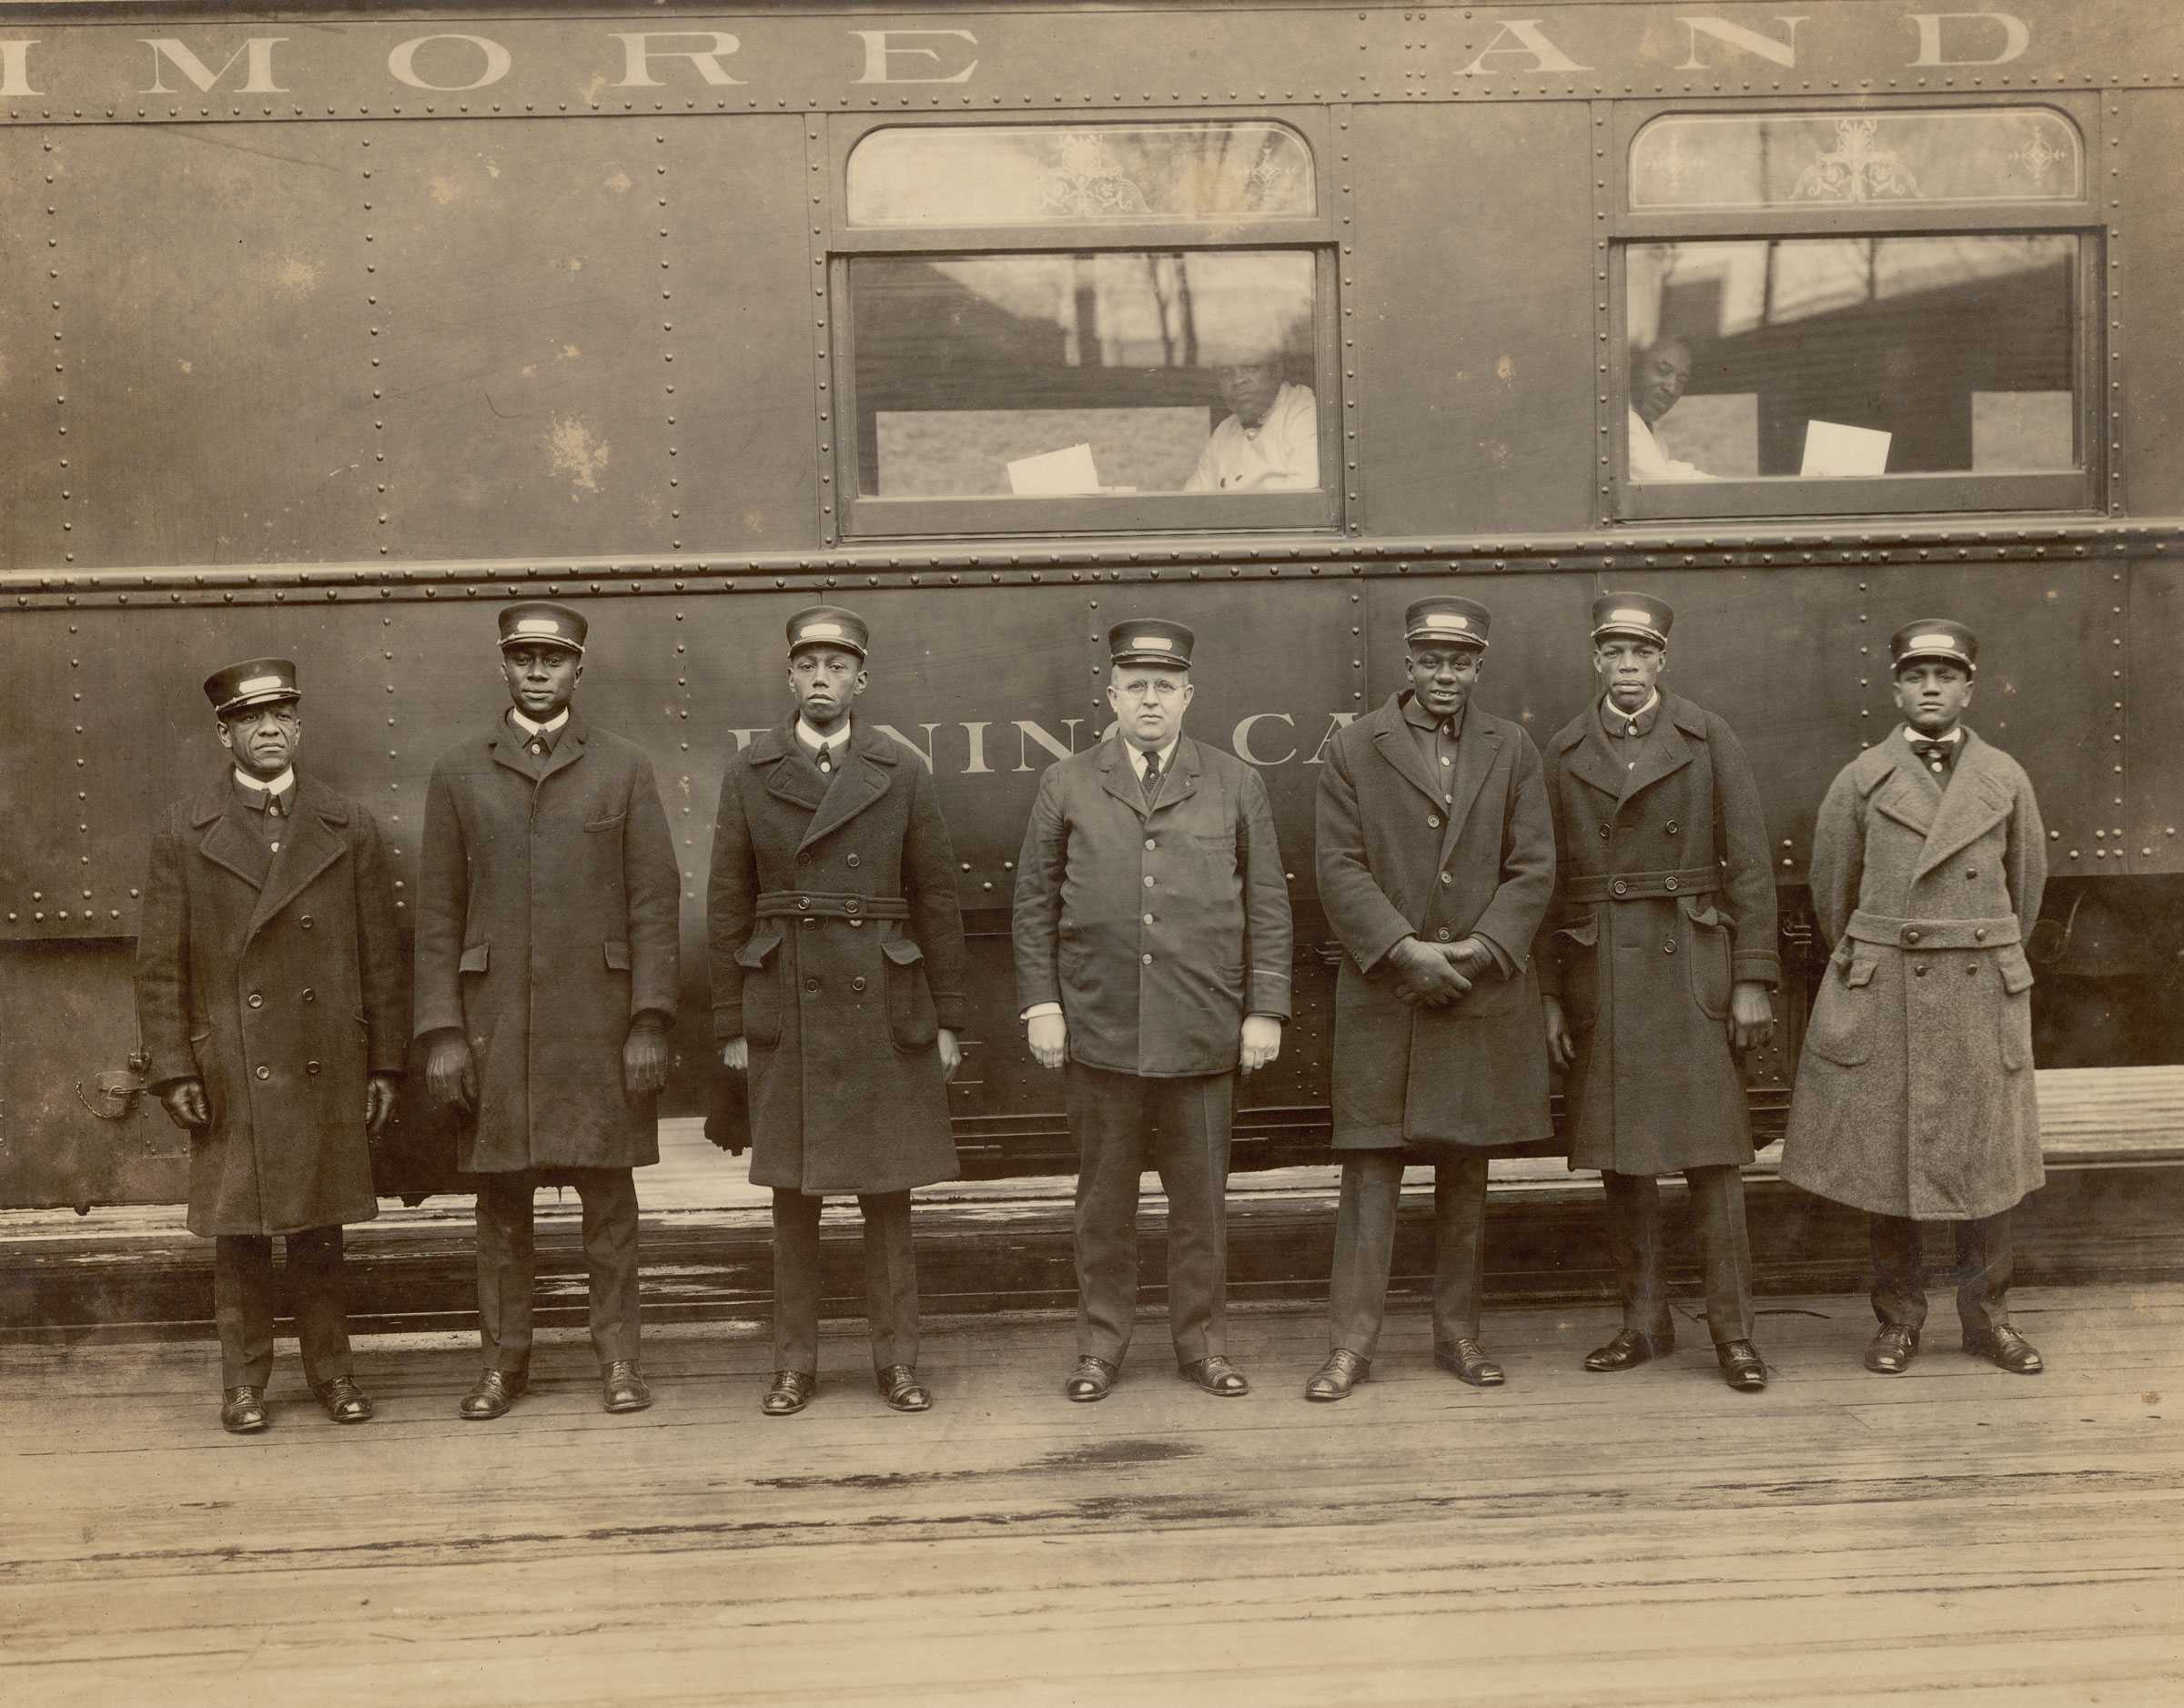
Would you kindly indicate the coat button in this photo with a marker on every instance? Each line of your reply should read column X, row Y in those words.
column 852, row 906
column 1919, row 971
column 265, row 1073
column 1149, row 843
column 1148, row 919
column 310, row 1067
column 1432, row 820
column 1447, row 878
column 1146, row 959
column 1673, row 827
column 808, row 920
column 1604, row 832
column 1911, row 934
column 1979, row 933
column 804, row 902
column 305, row 922
column 1444, row 936
column 1969, row 875
column 1620, row 887
column 857, row 984
column 1971, row 969
column 811, row 983
column 310, row 994
column 1668, row 948
column 257, row 1001
column 1671, row 884
column 853, row 860
column 1149, row 880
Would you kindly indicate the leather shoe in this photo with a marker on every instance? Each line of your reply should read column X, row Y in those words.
column 1627, row 1350
column 345, row 1402
column 791, row 1392
column 1342, row 1371
column 2006, row 1348
column 491, row 1395
column 900, row 1388
column 1742, row 1367
column 1467, row 1361
column 1893, row 1346
column 243, row 1410
column 1090, row 1380
column 623, row 1389
column 1216, row 1375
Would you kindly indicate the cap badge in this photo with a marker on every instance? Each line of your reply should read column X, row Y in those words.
column 1945, row 642
column 1626, row 614
column 820, row 630
column 537, row 625
column 257, row 685
column 1151, row 643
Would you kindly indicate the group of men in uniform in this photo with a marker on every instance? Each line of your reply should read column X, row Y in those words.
column 1608, row 910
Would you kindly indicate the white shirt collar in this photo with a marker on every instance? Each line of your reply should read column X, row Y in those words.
column 547, row 728
column 812, row 739
column 1950, row 740
column 1652, row 701
column 1168, row 756
column 277, row 785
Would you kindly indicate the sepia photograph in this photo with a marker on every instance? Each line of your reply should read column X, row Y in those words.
column 1082, row 851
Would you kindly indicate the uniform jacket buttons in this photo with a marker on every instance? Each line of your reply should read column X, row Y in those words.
column 857, row 984
column 1448, row 877
column 804, row 903
column 1972, row 968
column 1911, row 934
column 853, row 860
column 257, row 1001
column 1620, row 887
column 1668, row 948
column 1149, row 843
column 1969, row 875
column 852, row 906
column 1444, row 935
column 1670, row 884
column 310, row 1067
column 1432, row 820
column 310, row 994
column 1919, row 971
column 265, row 1073
column 1979, row 933
column 305, row 922
column 810, row 985
column 1146, row 959
column 1673, row 827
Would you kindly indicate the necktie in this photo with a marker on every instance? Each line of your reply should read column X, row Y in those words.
column 1150, row 782
column 277, row 805
column 827, row 758
column 1937, row 755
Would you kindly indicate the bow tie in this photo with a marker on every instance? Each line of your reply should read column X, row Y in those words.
column 1937, row 755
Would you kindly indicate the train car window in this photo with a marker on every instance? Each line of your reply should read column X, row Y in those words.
column 1109, row 174
column 1956, row 156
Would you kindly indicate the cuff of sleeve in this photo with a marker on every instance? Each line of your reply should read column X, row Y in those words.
column 1038, row 1009
column 948, row 1012
column 652, row 1020
column 1262, row 1013
column 1756, row 967
column 1269, row 997
column 1501, row 956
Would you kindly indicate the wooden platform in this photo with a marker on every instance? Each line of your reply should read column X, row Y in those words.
column 1954, row 1534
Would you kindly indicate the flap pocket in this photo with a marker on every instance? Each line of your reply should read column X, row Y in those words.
column 475, row 958
column 901, row 951
column 2017, row 971
column 754, row 954
column 1700, row 911
column 617, row 956
column 614, row 823
column 1861, row 971
column 1586, row 933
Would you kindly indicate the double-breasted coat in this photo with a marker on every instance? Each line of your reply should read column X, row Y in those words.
column 1915, row 1091
column 1396, row 859
column 1663, row 901
column 277, row 980
column 546, row 922
column 838, row 952
column 1158, row 928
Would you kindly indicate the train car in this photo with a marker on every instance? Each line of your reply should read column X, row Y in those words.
column 327, row 330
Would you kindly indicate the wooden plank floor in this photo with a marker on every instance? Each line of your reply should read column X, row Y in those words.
column 1954, row 1534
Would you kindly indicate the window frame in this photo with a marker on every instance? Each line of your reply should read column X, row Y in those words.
column 1622, row 500
column 864, row 517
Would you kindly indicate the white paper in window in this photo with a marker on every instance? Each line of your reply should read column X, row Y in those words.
column 1834, row 450
column 1055, row 473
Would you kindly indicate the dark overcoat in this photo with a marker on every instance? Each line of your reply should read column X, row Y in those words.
column 1396, row 860
column 546, row 922
column 1157, row 929
column 1645, row 971
column 838, row 952
column 277, row 979
column 1914, row 1092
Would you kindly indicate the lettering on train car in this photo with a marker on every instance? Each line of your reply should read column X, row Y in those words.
column 1027, row 745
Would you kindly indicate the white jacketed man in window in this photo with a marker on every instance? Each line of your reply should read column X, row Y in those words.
column 1660, row 374
column 1270, row 441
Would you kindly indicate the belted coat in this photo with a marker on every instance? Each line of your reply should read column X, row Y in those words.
column 838, row 952
column 1915, row 1091
column 1663, row 901
column 277, row 979
column 1157, row 928
column 546, row 910
column 1403, row 852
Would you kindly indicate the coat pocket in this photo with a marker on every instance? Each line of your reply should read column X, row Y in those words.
column 2014, row 1019
column 618, row 957
column 911, row 1020
column 1577, row 951
column 476, row 957
column 1705, row 936
column 762, row 989
column 1843, row 1018
column 600, row 826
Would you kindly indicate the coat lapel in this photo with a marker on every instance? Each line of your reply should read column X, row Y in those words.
column 1392, row 740
column 1664, row 752
column 867, row 768
column 1590, row 758
column 567, row 750
column 229, row 841
column 1974, row 802
column 772, row 753
column 1118, row 776
column 1183, row 772
column 1476, row 749
column 1906, row 791
column 311, row 846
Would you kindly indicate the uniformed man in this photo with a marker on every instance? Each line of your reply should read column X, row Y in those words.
column 270, row 992
column 1152, row 941
column 1435, row 848
column 1657, row 974
column 546, row 945
column 1914, row 1097
column 837, row 985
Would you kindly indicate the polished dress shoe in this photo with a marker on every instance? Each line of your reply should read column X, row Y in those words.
column 791, row 1392
column 1467, row 1361
column 1216, row 1375
column 491, row 1395
column 1742, row 1367
column 243, row 1410
column 1341, row 1372
column 345, row 1402
column 1893, row 1346
column 623, row 1389
column 900, row 1388
column 2006, row 1348
column 1090, row 1380
column 1627, row 1350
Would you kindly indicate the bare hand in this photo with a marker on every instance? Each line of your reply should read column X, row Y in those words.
column 644, row 1056
column 185, row 1105
column 951, row 1052
column 1261, row 1041
column 450, row 1076
column 380, row 1092
column 1561, row 1048
column 737, row 1054
column 1048, row 1034
column 1425, row 973
column 1751, row 1016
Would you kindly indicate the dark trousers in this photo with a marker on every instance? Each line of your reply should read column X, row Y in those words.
column 1372, row 1184
column 1984, row 1259
column 890, row 1280
column 507, row 1267
column 1717, row 1206
column 243, row 1295
column 1120, row 1121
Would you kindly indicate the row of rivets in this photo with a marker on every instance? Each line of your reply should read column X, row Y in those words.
column 815, row 191
column 1353, row 484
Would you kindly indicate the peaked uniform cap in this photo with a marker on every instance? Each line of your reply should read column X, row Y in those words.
column 1151, row 641
column 257, row 681
column 537, row 623
column 1934, row 637
column 1451, row 620
column 1639, row 616
column 829, row 625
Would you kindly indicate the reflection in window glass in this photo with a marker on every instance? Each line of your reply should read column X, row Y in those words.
column 1019, row 174
column 1852, row 356
column 1069, row 374
column 1771, row 159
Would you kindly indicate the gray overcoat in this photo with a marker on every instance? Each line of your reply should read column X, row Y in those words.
column 1914, row 1092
